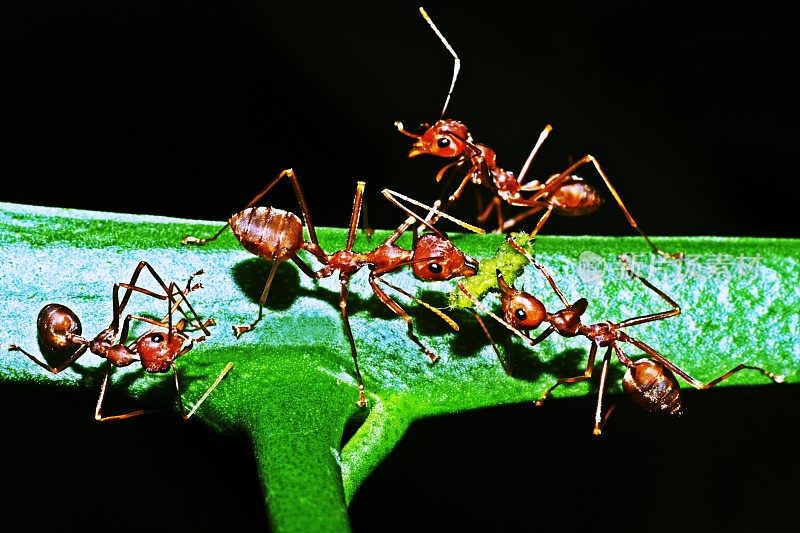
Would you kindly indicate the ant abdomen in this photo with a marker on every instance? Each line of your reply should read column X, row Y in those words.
column 57, row 327
column 575, row 198
column 653, row 387
column 270, row 233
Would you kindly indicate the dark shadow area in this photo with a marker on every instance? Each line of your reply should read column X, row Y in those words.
column 251, row 274
column 353, row 424
column 728, row 464
column 522, row 359
column 64, row 471
column 426, row 322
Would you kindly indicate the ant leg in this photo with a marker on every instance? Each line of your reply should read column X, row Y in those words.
column 298, row 192
column 362, row 397
column 599, row 420
column 97, row 411
column 399, row 311
column 457, row 193
column 119, row 305
column 437, row 204
column 697, row 384
column 506, row 367
column 368, row 231
column 542, row 136
column 587, row 374
column 533, row 185
column 187, row 416
column 676, row 309
column 449, row 321
column 615, row 194
column 496, row 204
column 478, row 171
column 542, row 269
column 528, row 213
column 80, row 350
column 199, row 241
column 239, row 330
column 483, row 214
column 479, row 203
column 500, row 219
column 172, row 305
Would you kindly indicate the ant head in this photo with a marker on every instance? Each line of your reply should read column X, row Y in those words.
column 653, row 387
column 437, row 259
column 446, row 138
column 57, row 327
column 520, row 309
column 158, row 350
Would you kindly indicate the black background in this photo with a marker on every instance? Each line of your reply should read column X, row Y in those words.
column 187, row 108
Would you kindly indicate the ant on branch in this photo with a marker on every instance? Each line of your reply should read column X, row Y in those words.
column 277, row 235
column 59, row 333
column 564, row 192
column 650, row 381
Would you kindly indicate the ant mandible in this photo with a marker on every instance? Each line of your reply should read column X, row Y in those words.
column 59, row 333
column 564, row 192
column 650, row 382
column 277, row 235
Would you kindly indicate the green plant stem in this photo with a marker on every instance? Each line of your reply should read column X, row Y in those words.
column 292, row 390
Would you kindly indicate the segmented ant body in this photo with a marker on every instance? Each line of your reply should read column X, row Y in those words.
column 565, row 193
column 277, row 235
column 650, row 382
column 60, row 335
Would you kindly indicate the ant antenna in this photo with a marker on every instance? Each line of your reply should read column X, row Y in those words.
column 438, row 312
column 392, row 197
column 456, row 60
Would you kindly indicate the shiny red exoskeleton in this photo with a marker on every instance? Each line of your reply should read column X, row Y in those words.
column 59, row 333
column 277, row 235
column 650, row 382
column 565, row 192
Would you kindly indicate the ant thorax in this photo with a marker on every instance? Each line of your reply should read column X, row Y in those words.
column 105, row 346
column 602, row 334
column 506, row 184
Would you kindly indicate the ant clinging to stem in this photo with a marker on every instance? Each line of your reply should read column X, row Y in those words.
column 564, row 192
column 650, row 382
column 277, row 235
column 59, row 333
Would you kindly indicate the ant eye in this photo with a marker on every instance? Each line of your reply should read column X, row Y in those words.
column 520, row 314
column 157, row 337
column 436, row 268
column 443, row 142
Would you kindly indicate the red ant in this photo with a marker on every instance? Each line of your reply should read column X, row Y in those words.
column 59, row 332
column 650, row 382
column 277, row 235
column 565, row 193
